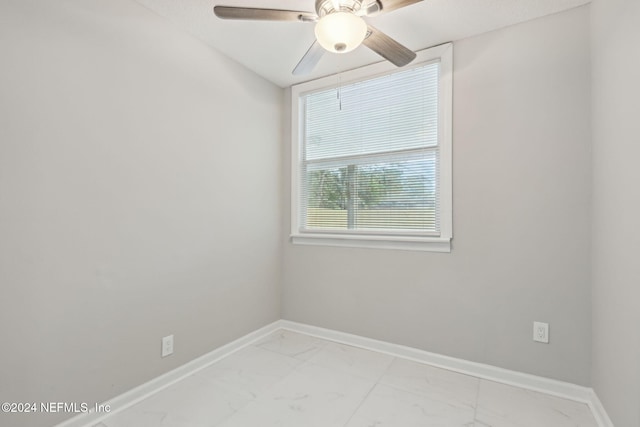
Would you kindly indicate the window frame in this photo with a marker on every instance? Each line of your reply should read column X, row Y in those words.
column 382, row 239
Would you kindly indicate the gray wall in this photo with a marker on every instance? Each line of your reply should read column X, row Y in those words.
column 125, row 213
column 521, row 219
column 616, row 208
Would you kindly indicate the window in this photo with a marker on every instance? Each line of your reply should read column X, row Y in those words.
column 371, row 163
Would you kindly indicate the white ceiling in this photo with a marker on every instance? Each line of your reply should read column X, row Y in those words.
column 272, row 49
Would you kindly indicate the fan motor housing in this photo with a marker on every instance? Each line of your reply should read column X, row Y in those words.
column 325, row 7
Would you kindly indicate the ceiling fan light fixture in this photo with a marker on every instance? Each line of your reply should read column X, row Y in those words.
column 341, row 32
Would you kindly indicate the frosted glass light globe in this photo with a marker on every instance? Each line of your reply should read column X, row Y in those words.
column 340, row 32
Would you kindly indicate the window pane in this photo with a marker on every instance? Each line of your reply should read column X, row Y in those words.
column 396, row 194
column 327, row 198
column 394, row 112
column 370, row 155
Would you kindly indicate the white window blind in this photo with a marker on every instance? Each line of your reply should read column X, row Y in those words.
column 370, row 155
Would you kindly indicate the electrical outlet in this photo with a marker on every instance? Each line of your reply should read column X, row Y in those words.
column 167, row 345
column 541, row 332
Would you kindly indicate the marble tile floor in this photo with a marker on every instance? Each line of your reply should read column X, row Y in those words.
column 294, row 380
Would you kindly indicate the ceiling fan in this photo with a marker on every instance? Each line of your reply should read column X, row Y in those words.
column 340, row 28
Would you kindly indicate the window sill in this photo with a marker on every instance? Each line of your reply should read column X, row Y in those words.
column 428, row 244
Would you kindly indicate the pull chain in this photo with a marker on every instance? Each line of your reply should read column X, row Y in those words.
column 339, row 92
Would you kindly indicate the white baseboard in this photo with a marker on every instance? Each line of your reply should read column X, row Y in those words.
column 531, row 382
column 492, row 373
column 135, row 395
column 598, row 411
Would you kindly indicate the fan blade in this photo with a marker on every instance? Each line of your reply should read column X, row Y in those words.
column 383, row 6
column 255, row 14
column 388, row 48
column 309, row 60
